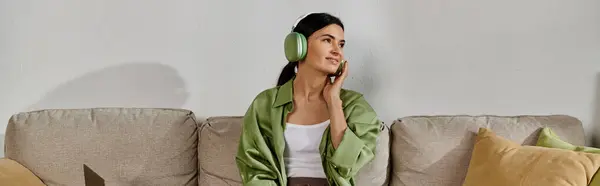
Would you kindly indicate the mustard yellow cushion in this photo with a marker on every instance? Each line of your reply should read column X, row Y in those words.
column 496, row 161
column 13, row 173
column 549, row 139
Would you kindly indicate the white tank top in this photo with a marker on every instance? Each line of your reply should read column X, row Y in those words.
column 302, row 157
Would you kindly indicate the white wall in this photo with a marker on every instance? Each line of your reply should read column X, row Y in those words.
column 502, row 57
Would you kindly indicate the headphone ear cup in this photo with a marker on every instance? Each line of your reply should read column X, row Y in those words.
column 295, row 47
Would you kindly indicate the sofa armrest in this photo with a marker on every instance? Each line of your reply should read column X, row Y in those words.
column 13, row 173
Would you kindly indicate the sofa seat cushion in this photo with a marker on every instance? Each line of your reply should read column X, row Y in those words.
column 435, row 150
column 497, row 161
column 13, row 173
column 219, row 138
column 125, row 146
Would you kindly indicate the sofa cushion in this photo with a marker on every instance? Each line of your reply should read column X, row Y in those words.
column 435, row 150
column 217, row 146
column 547, row 138
column 124, row 146
column 13, row 173
column 219, row 137
column 497, row 161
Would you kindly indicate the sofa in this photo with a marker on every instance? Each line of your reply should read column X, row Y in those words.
column 156, row 146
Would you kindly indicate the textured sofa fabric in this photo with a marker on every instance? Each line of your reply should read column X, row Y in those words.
column 436, row 150
column 124, row 146
column 496, row 161
column 218, row 144
column 144, row 146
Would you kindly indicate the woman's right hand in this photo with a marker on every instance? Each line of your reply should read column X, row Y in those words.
column 331, row 93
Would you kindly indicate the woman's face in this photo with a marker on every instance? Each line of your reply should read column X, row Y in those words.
column 326, row 49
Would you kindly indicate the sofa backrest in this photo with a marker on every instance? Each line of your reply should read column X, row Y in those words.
column 124, row 146
column 219, row 137
column 144, row 146
column 436, row 150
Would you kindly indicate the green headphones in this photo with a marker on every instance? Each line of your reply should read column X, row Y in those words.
column 295, row 44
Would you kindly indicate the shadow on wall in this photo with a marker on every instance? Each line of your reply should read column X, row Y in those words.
column 128, row 85
column 596, row 113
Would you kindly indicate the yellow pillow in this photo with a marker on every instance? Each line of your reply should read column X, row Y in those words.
column 549, row 139
column 13, row 173
column 501, row 162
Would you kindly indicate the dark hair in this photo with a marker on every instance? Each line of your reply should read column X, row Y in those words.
column 307, row 26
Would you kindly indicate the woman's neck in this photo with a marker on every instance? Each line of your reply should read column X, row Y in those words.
column 309, row 85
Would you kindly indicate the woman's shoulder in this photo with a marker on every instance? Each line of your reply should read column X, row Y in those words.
column 350, row 96
column 267, row 93
column 266, row 96
column 269, row 96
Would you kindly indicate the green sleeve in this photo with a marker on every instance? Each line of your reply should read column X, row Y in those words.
column 253, row 158
column 357, row 147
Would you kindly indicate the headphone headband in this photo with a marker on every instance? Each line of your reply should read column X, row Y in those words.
column 295, row 44
column 301, row 18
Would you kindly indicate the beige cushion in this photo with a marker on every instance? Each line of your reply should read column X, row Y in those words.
column 435, row 150
column 219, row 137
column 124, row 146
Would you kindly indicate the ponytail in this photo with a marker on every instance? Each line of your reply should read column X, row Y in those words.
column 287, row 73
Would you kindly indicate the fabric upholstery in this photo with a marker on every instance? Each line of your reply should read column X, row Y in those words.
column 129, row 146
column 435, row 150
column 219, row 137
column 13, row 173
column 497, row 161
column 549, row 139
column 125, row 146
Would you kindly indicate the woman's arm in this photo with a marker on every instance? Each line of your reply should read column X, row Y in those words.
column 331, row 93
column 353, row 131
column 254, row 160
column 353, row 138
column 338, row 122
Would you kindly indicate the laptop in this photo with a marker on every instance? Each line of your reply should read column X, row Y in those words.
column 91, row 178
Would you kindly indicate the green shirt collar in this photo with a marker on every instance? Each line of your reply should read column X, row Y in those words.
column 285, row 93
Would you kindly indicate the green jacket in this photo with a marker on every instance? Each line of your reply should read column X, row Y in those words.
column 262, row 144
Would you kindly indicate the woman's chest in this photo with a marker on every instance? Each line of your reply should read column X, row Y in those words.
column 304, row 138
column 308, row 114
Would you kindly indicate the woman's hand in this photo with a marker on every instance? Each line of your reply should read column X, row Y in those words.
column 331, row 93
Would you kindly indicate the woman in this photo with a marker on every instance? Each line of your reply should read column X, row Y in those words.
column 307, row 129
